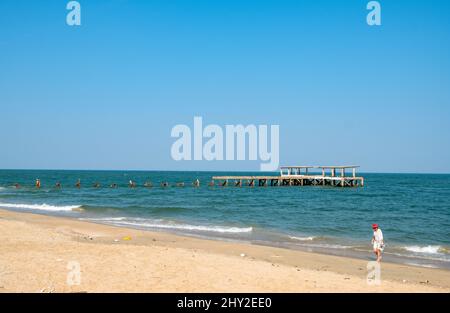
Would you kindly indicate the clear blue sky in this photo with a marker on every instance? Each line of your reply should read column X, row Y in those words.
column 105, row 95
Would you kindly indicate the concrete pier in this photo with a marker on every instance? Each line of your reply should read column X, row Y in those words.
column 298, row 176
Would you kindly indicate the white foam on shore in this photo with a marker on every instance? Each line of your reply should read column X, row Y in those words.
column 105, row 219
column 330, row 246
column 423, row 249
column 310, row 238
column 41, row 207
column 147, row 223
column 421, row 265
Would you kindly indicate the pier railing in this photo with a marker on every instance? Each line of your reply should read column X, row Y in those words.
column 298, row 176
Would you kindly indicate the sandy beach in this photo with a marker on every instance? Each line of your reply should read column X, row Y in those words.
column 38, row 253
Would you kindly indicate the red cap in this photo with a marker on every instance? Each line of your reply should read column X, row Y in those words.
column 374, row 226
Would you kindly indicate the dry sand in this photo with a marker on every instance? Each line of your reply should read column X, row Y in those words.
column 35, row 251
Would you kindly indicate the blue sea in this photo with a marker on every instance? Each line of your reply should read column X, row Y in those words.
column 413, row 210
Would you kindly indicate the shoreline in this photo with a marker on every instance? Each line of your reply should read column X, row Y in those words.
column 388, row 257
column 314, row 244
column 36, row 249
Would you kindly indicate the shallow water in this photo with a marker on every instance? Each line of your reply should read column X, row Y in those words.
column 413, row 210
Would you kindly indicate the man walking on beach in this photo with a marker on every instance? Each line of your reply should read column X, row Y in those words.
column 377, row 241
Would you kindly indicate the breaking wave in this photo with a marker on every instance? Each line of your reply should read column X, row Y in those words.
column 148, row 223
column 425, row 249
column 310, row 238
column 41, row 207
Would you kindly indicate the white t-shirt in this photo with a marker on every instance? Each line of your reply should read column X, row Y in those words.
column 378, row 235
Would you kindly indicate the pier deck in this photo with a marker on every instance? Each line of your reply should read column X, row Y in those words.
column 292, row 176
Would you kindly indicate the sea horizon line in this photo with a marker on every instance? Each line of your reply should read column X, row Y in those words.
column 202, row 171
